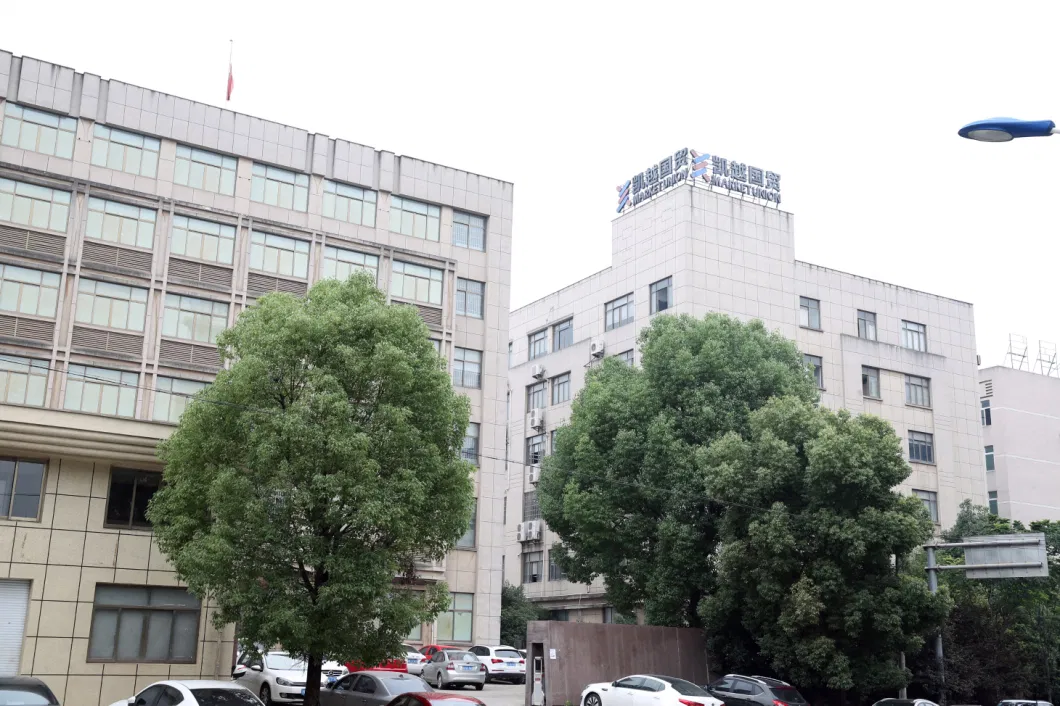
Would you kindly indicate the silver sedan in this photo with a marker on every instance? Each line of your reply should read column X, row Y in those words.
column 455, row 668
column 375, row 688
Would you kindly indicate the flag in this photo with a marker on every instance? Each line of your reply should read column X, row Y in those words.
column 231, row 83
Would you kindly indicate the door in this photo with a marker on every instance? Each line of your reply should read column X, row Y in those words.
column 649, row 693
column 337, row 695
column 743, row 691
column 723, row 689
column 363, row 691
column 14, row 602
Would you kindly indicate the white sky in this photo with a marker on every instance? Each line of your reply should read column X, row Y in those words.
column 856, row 108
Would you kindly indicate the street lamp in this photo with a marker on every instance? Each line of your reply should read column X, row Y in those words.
column 1005, row 129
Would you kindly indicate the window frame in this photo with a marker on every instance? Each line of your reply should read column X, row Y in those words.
column 97, row 135
column 910, row 334
column 537, row 389
column 867, row 372
column 34, row 194
column 818, row 368
column 626, row 304
column 209, row 160
column 429, row 278
column 299, row 184
column 340, row 190
column 144, row 628
column 225, row 233
column 913, row 382
column 463, row 368
column 159, row 392
column 563, row 379
column 653, row 294
column 626, row 357
column 354, row 267
column 6, row 515
column 464, row 295
column 924, row 440
column 563, row 334
column 87, row 377
column 555, row 573
column 864, row 324
column 109, row 207
column 930, row 498
column 988, row 458
column 471, row 217
column 63, row 124
column 432, row 216
column 48, row 280
column 476, row 436
column 132, row 526
column 211, row 338
column 451, row 609
column 132, row 303
column 992, row 503
column 809, row 306
column 535, row 340
column 463, row 542
column 8, row 366
column 528, row 563
column 532, row 441
column 261, row 238
column 531, row 506
column 985, row 417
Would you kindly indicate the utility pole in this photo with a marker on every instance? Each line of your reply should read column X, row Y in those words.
column 933, row 584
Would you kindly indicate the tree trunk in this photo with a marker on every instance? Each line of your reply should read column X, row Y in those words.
column 312, row 681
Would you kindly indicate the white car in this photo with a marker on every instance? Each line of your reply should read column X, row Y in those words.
column 503, row 663
column 647, row 690
column 279, row 678
column 414, row 661
column 193, row 692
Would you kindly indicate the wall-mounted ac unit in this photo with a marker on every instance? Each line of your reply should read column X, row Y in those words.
column 520, row 532
column 534, row 475
column 533, row 530
column 596, row 349
column 537, row 371
column 537, row 418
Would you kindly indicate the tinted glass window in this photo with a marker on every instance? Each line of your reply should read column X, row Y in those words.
column 653, row 685
column 365, row 685
column 509, row 654
column 283, row 661
column 788, row 694
column 684, row 688
column 722, row 685
column 170, row 697
column 742, row 687
column 26, row 695
column 148, row 696
column 630, row 682
column 225, row 697
column 462, row 656
column 404, row 686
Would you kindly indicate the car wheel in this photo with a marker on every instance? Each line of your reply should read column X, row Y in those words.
column 478, row 687
column 265, row 695
column 592, row 700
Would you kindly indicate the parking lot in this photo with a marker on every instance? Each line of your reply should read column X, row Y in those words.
column 497, row 694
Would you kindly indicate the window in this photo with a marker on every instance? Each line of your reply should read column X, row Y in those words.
column 815, row 362
column 809, row 313
column 537, row 343
column 349, row 203
column 562, row 615
column 172, row 396
column 130, row 491
column 204, row 170
column 626, row 357
column 504, row 511
column 989, row 452
column 510, row 350
column 24, row 291
column 110, row 305
column 561, row 388
column 34, row 206
column 618, row 312
column 279, row 255
column 143, row 624
column 984, row 412
column 914, row 336
column 37, row 131
column 532, row 567
column 536, row 395
column 931, row 502
column 454, row 625
column 101, row 391
column 203, row 240
column 552, row 441
column 420, row 220
column 279, row 187
column 468, row 231
column 469, row 452
column 555, row 572
column 921, row 447
column 660, row 295
column 340, row 263
column 125, row 151
column 467, row 368
column 193, row 319
column 562, row 334
column 469, row 295
column 609, row 615
column 22, row 381
column 21, row 486
column 468, row 540
column 917, row 391
column 531, row 508
column 870, row 382
column 535, row 449
column 416, row 634
column 120, row 223
column 416, row 282
column 992, row 497
column 866, row 325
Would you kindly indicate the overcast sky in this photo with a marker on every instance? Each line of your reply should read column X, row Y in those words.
column 856, row 108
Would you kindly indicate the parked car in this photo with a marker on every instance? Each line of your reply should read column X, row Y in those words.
column 192, row 692
column 277, row 677
column 414, row 661
column 454, row 668
column 429, row 650
column 1023, row 702
column 435, row 698
column 26, row 690
column 371, row 688
column 503, row 663
column 738, row 690
column 908, row 702
column 647, row 690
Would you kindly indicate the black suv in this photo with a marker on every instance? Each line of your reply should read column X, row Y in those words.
column 738, row 690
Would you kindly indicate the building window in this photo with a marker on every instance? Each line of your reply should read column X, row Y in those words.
column 984, row 412
column 279, row 255
column 562, row 334
column 420, row 220
column 194, row 319
column 22, row 381
column 531, row 508
column 469, row 231
column 130, row 491
column 172, row 396
column 34, row 206
column 454, row 625
column 817, row 365
column 870, row 382
column 992, row 497
column 469, row 451
column 32, row 292
column 34, row 130
column 931, row 502
column 469, row 297
column 609, row 615
column 416, row 634
column 989, row 452
column 279, row 187
column 468, row 540
column 504, row 511
column 416, row 282
column 204, row 170
column 340, row 264
column 21, row 486
column 867, row 325
column 914, row 336
column 560, row 616
column 555, row 572
column 626, row 357
column 535, row 449
column 120, row 223
column 536, row 395
column 660, row 295
column 467, row 368
column 537, row 343
column 125, row 151
column 111, row 305
column 618, row 312
column 532, row 567
column 101, row 391
column 203, row 240
column 921, row 447
column 809, row 313
column 561, row 388
column 349, row 203
column 917, row 391
column 552, row 441
column 143, row 624
column 510, row 351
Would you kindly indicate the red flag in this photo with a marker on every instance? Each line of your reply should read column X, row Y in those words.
column 231, row 83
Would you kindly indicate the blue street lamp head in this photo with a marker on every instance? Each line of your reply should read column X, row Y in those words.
column 1005, row 129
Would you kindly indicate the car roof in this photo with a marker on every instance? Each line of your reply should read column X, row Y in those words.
column 765, row 681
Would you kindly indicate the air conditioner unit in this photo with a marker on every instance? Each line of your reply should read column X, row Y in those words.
column 537, row 418
column 533, row 530
column 537, row 371
column 520, row 532
column 534, row 475
column 596, row 349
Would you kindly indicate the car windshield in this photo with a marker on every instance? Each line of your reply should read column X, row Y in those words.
column 22, row 695
column 682, row 687
column 225, row 697
column 509, row 654
column 282, row 660
column 403, row 685
column 788, row 694
column 465, row 656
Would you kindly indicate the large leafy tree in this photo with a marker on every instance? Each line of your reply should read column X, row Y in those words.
column 516, row 611
column 623, row 489
column 300, row 486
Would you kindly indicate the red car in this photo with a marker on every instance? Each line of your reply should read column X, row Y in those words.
column 429, row 650
column 391, row 665
column 434, row 698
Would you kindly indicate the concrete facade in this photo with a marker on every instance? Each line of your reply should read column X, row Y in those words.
column 1020, row 414
column 134, row 226
column 724, row 254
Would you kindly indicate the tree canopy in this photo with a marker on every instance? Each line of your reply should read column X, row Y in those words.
column 516, row 612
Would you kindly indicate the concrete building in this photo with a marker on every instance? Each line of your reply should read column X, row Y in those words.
column 1020, row 414
column 134, row 227
column 904, row 355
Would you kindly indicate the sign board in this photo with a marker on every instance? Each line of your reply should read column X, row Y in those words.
column 1026, row 556
column 552, row 653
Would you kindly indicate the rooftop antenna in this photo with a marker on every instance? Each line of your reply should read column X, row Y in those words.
column 1016, row 358
column 1047, row 363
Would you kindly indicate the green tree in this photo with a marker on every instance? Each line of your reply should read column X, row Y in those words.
column 623, row 489
column 516, row 612
column 300, row 486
